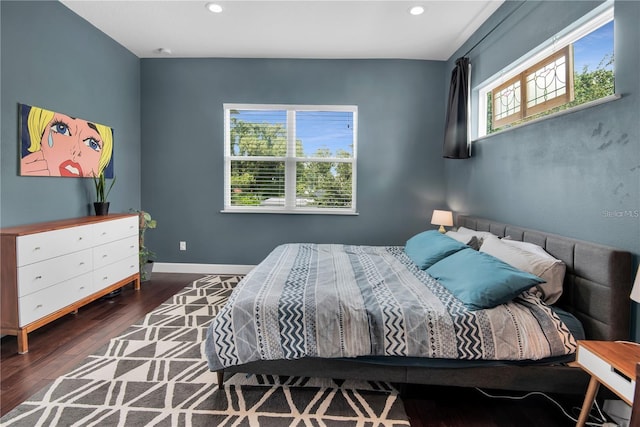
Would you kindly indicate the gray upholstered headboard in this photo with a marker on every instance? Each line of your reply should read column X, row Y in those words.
column 597, row 283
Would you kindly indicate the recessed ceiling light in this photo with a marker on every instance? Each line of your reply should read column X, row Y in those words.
column 416, row 10
column 214, row 7
column 163, row 51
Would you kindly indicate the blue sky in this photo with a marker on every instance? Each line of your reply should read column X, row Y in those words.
column 316, row 129
column 325, row 129
column 592, row 48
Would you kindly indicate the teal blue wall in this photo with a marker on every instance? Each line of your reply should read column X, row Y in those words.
column 577, row 174
column 400, row 171
column 558, row 175
column 167, row 119
column 52, row 58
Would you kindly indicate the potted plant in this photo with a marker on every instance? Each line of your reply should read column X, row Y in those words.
column 101, row 205
column 146, row 255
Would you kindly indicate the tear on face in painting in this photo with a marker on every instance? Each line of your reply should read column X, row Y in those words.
column 55, row 144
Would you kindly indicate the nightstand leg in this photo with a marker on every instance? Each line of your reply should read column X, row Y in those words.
column 592, row 390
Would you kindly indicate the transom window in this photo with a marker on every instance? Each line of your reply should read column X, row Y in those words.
column 290, row 158
column 573, row 68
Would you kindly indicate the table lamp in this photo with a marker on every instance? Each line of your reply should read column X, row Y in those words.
column 443, row 218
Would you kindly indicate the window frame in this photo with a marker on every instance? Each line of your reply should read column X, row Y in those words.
column 566, row 97
column 524, row 110
column 514, row 116
column 593, row 20
column 290, row 160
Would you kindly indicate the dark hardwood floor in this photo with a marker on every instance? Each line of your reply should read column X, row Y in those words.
column 58, row 347
column 453, row 406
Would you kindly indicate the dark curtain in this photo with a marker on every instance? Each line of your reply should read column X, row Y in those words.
column 456, row 138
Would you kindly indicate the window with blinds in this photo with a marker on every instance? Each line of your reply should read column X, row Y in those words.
column 290, row 158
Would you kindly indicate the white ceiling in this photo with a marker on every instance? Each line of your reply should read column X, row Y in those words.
column 288, row 29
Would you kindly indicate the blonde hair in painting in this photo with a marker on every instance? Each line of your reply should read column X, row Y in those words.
column 107, row 145
column 38, row 120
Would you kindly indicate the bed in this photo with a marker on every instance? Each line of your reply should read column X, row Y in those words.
column 596, row 291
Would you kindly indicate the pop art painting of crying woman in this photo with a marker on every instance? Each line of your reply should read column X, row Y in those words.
column 55, row 144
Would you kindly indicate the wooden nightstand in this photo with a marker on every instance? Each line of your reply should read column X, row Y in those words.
column 610, row 363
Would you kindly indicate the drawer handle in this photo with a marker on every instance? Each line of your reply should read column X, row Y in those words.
column 38, row 277
column 620, row 374
column 81, row 262
column 131, row 247
column 104, row 256
column 105, row 277
column 81, row 287
column 104, row 233
column 37, row 248
column 39, row 306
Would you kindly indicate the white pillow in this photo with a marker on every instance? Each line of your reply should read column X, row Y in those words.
column 480, row 235
column 467, row 239
column 529, row 247
column 543, row 265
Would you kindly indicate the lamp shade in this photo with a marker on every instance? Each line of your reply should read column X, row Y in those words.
column 442, row 218
column 635, row 292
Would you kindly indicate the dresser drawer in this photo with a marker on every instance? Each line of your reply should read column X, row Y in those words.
column 34, row 277
column 32, row 248
column 111, row 252
column 110, row 231
column 51, row 269
column 112, row 273
column 48, row 300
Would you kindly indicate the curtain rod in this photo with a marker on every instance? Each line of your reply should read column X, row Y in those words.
column 493, row 29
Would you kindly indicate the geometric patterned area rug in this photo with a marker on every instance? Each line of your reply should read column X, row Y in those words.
column 155, row 374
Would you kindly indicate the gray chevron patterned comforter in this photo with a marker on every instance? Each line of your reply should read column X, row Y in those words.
column 321, row 300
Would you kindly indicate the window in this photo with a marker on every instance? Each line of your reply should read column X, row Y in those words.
column 290, row 158
column 573, row 68
column 547, row 84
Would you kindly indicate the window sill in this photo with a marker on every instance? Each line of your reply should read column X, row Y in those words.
column 577, row 108
column 290, row 211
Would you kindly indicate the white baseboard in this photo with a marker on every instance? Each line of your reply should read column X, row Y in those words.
column 171, row 267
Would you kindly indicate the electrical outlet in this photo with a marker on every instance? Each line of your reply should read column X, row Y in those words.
column 183, row 246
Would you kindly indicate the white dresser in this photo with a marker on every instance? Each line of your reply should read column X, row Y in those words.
column 52, row 269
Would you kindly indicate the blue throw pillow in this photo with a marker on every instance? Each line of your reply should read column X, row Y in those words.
column 429, row 247
column 480, row 280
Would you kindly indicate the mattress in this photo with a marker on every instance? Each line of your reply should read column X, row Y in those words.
column 344, row 301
